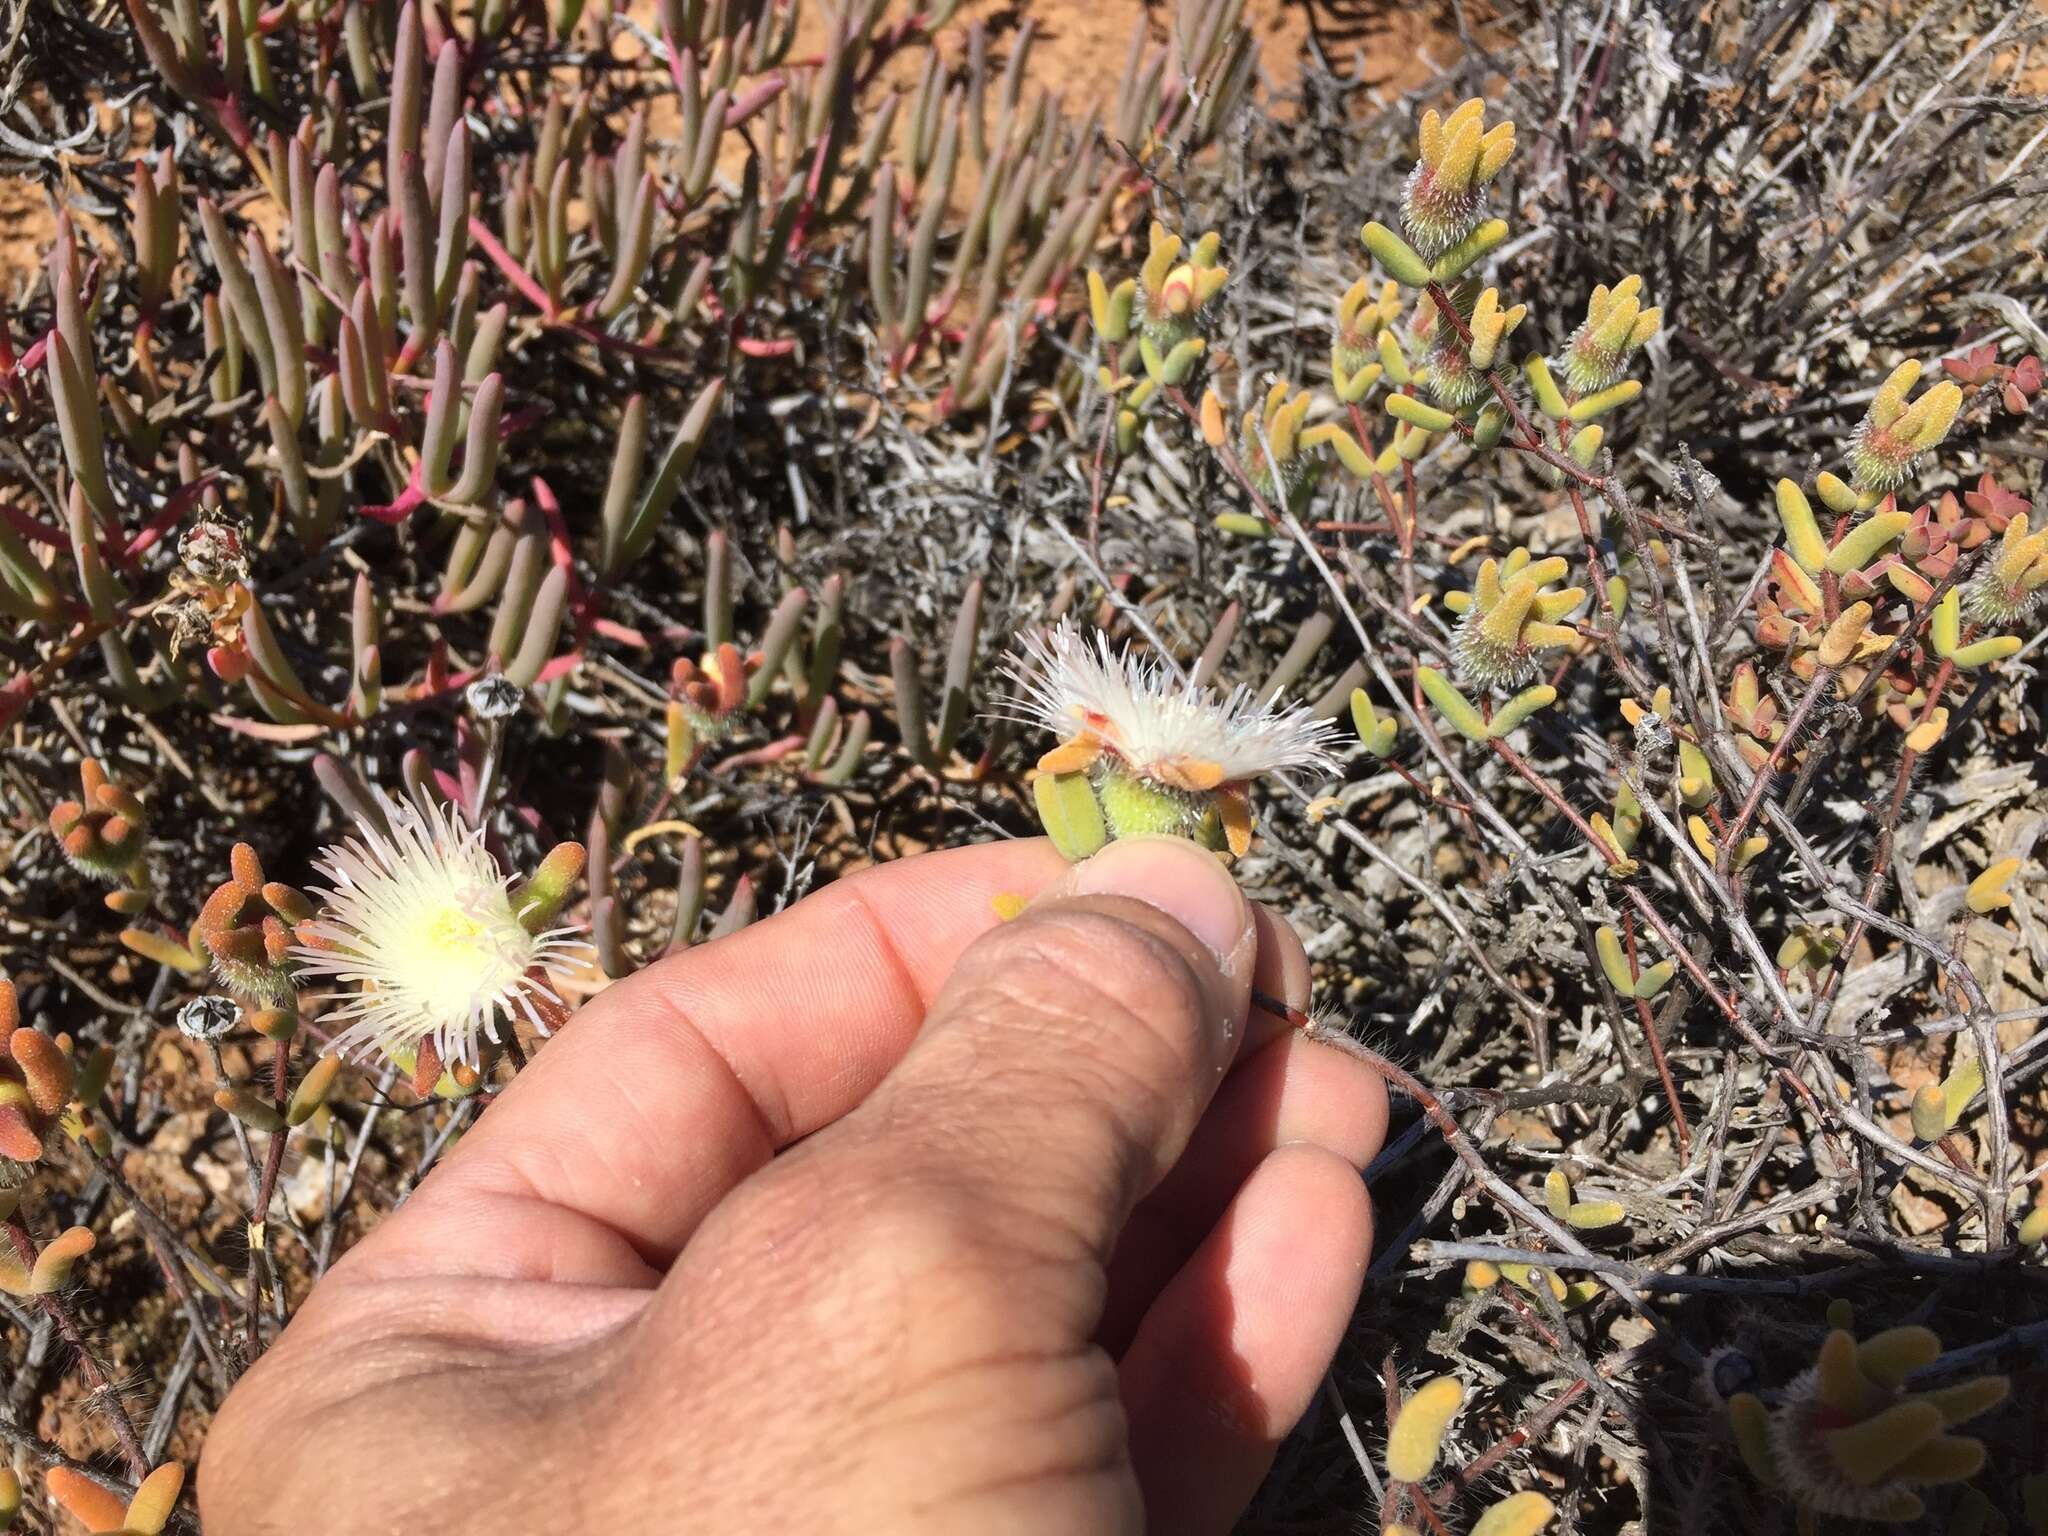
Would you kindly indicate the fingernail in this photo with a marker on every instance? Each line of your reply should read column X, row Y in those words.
column 1188, row 883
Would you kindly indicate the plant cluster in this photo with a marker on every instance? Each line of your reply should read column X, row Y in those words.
column 495, row 496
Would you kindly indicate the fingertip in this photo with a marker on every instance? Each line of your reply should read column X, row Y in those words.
column 1186, row 882
column 1090, row 1033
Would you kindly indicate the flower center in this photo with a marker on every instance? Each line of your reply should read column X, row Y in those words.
column 451, row 929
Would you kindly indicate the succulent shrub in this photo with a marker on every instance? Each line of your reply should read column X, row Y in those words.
column 434, row 435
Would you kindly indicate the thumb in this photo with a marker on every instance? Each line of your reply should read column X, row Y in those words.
column 1065, row 1062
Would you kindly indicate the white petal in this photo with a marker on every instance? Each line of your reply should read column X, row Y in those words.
column 1139, row 710
column 421, row 919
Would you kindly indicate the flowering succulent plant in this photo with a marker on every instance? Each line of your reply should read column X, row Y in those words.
column 443, row 947
column 1143, row 752
column 438, row 257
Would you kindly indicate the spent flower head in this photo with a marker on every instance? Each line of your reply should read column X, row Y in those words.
column 1154, row 753
column 494, row 696
column 441, row 946
column 209, row 1017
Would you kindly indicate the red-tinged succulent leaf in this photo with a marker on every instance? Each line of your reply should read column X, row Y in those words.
column 10, row 1007
column 18, row 1138
column 288, row 902
column 239, row 946
column 222, row 912
column 64, row 816
column 277, row 941
column 542, row 896
column 45, row 1069
column 1974, row 367
column 270, row 730
column 120, row 802
column 732, row 677
column 247, row 867
column 228, row 663
column 426, row 1070
column 86, row 1500
column 1994, row 504
column 552, row 1011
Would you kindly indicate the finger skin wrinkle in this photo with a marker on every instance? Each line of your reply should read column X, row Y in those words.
column 1136, row 973
column 500, row 1225
column 1121, row 1101
column 541, row 1168
column 888, row 950
column 1061, row 1420
column 676, row 1033
column 868, row 968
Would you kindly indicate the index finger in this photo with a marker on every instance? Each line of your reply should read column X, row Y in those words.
column 654, row 1100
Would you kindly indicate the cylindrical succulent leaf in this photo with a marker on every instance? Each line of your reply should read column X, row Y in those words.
column 1415, row 1438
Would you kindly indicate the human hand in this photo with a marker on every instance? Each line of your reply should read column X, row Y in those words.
column 879, row 1215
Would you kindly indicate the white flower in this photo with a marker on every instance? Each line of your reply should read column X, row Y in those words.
column 422, row 918
column 1097, row 699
